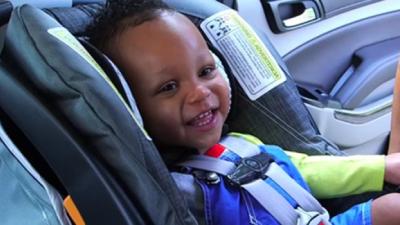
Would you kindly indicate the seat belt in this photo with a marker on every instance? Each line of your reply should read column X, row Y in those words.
column 248, row 175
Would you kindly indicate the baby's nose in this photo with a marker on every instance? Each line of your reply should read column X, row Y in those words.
column 198, row 93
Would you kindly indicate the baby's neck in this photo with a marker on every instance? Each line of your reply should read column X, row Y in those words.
column 172, row 155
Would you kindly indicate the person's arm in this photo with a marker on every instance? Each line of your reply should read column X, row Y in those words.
column 392, row 168
column 333, row 176
column 336, row 176
column 394, row 141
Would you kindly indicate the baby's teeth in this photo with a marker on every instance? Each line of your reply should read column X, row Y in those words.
column 207, row 117
column 204, row 114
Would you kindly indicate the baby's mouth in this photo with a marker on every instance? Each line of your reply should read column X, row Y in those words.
column 203, row 119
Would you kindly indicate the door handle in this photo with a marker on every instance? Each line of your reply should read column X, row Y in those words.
column 308, row 15
column 284, row 15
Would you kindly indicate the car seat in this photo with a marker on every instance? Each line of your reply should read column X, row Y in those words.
column 71, row 113
column 53, row 92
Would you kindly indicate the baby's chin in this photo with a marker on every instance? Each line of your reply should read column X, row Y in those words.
column 203, row 149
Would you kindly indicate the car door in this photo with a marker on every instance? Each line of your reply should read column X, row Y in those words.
column 343, row 56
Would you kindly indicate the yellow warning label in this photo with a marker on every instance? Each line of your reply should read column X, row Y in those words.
column 250, row 60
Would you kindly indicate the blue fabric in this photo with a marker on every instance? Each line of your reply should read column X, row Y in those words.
column 359, row 215
column 225, row 204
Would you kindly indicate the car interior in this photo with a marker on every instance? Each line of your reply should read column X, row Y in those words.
column 356, row 49
column 69, row 121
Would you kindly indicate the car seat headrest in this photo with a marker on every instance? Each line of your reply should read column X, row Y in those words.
column 116, row 77
column 77, row 87
column 56, row 62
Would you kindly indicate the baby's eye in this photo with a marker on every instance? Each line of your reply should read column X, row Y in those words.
column 208, row 71
column 168, row 87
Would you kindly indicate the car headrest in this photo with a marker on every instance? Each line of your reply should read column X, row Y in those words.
column 77, row 87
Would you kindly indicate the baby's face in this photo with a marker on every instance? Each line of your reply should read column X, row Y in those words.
column 181, row 95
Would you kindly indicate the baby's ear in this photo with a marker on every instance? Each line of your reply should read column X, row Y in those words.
column 223, row 73
column 220, row 67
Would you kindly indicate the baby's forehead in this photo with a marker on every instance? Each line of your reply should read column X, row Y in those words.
column 163, row 31
column 166, row 41
column 177, row 23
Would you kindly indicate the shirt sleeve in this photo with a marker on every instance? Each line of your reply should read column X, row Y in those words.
column 337, row 176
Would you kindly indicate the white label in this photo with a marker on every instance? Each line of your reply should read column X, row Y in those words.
column 251, row 62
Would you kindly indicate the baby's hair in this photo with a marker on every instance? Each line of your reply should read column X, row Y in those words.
column 118, row 15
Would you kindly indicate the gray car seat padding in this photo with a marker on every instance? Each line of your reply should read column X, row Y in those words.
column 76, row 19
column 73, row 83
column 25, row 198
column 116, row 78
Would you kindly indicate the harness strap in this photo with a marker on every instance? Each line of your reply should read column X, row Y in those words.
column 272, row 201
column 245, row 148
column 299, row 194
column 208, row 163
column 265, row 194
column 240, row 146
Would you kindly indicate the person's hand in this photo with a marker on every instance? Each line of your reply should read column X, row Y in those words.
column 392, row 168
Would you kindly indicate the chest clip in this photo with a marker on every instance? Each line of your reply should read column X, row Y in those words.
column 250, row 169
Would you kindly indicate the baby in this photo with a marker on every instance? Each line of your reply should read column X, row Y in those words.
column 185, row 101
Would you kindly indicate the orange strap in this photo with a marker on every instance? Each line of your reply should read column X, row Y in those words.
column 73, row 211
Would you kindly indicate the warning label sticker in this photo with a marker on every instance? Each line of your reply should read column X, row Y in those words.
column 250, row 61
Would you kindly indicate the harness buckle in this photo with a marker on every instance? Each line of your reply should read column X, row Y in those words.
column 250, row 169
